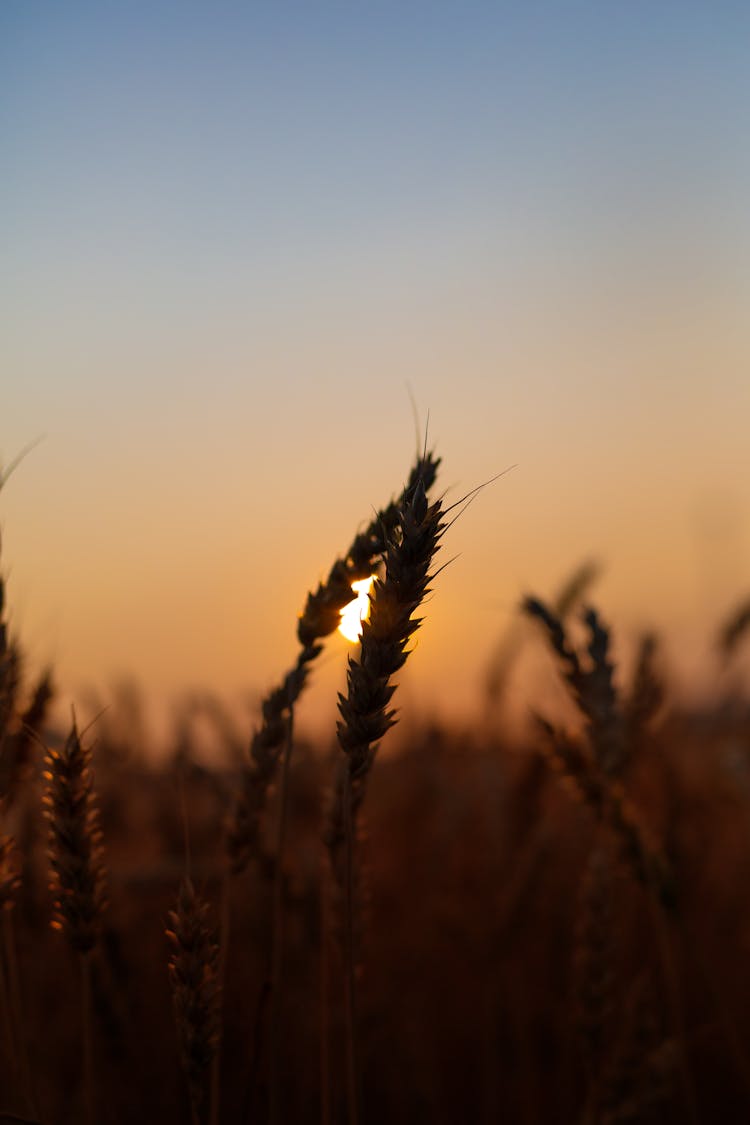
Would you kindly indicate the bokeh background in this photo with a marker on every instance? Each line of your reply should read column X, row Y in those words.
column 239, row 239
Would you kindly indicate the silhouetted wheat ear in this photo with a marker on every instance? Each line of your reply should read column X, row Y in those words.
column 74, row 843
column 320, row 617
column 193, row 975
column 591, row 685
column 365, row 709
column 322, row 613
column 595, row 770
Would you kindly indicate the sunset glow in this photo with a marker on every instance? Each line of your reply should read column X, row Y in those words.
column 357, row 611
column 235, row 250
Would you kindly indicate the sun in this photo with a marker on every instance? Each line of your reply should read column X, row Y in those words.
column 357, row 611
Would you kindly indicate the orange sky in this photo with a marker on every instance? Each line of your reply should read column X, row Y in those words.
column 234, row 249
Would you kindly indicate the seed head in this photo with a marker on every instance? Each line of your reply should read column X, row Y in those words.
column 74, row 842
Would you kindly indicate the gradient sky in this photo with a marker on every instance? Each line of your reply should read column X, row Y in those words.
column 237, row 237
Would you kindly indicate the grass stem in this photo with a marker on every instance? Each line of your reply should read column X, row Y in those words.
column 350, row 983
column 87, row 1039
column 277, row 928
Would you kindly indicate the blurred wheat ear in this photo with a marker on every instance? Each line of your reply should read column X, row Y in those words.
column 78, row 877
column 75, row 851
column 594, row 767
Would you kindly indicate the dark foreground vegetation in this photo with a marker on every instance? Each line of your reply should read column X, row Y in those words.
column 544, row 928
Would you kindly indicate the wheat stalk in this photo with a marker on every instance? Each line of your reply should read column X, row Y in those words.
column 15, row 744
column 597, row 778
column 595, row 970
column 193, row 975
column 272, row 740
column 366, row 715
column 78, row 878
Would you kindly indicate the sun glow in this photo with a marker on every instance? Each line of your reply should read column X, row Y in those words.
column 357, row 611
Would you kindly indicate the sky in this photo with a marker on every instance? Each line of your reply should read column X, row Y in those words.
column 242, row 243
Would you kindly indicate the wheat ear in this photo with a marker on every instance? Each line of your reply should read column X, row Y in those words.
column 75, row 850
column 77, row 883
column 320, row 617
column 595, row 770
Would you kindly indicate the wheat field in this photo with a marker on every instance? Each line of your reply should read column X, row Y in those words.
column 482, row 926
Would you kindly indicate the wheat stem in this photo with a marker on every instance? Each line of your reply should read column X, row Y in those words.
column 325, row 1000
column 350, row 983
column 669, row 966
column 87, row 1040
column 9, row 1030
column 193, row 975
column 277, row 926
column 225, row 921
column 17, row 1010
